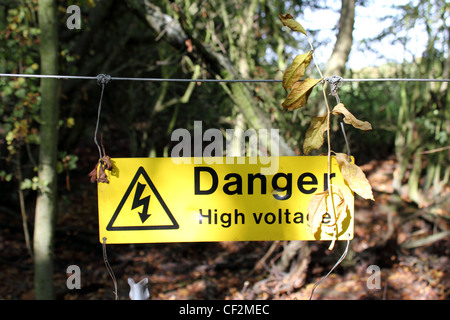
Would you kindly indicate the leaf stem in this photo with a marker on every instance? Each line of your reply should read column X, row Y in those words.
column 314, row 58
column 329, row 145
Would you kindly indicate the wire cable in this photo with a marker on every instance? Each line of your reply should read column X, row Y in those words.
column 335, row 265
column 110, row 270
column 102, row 79
column 67, row 77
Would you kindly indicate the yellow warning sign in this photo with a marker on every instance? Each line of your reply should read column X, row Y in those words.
column 214, row 199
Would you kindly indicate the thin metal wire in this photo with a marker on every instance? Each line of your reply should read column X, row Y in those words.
column 329, row 272
column 98, row 120
column 336, row 83
column 20, row 75
column 102, row 80
column 349, row 154
column 110, row 270
column 64, row 77
column 194, row 80
column 395, row 80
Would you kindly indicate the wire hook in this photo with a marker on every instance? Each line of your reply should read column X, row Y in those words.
column 335, row 83
column 102, row 79
column 110, row 270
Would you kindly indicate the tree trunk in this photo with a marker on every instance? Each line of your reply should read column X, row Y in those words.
column 344, row 40
column 343, row 45
column 46, row 199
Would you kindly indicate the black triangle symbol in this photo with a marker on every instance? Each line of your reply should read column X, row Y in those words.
column 144, row 174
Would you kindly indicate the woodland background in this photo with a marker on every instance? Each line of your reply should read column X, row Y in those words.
column 406, row 157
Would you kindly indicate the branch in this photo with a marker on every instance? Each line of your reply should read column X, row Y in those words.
column 435, row 150
column 176, row 32
column 427, row 240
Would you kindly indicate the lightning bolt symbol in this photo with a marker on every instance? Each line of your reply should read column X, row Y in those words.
column 137, row 202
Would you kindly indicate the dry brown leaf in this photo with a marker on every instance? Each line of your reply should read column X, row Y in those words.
column 290, row 22
column 350, row 118
column 314, row 135
column 321, row 204
column 299, row 94
column 341, row 207
column 354, row 176
column 317, row 208
column 296, row 71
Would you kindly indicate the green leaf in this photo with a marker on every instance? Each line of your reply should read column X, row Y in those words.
column 29, row 183
column 299, row 94
column 290, row 22
column 296, row 71
column 5, row 176
column 21, row 93
column 314, row 136
column 73, row 162
column 59, row 167
column 70, row 122
column 7, row 90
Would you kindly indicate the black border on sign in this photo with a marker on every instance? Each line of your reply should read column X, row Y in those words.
column 139, row 172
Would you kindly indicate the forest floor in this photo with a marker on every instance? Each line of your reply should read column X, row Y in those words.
column 389, row 233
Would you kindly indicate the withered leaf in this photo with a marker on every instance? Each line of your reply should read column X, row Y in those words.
column 102, row 175
column 354, row 176
column 98, row 173
column 296, row 71
column 107, row 162
column 93, row 174
column 321, row 204
column 299, row 94
column 350, row 118
column 317, row 208
column 340, row 205
column 290, row 22
column 314, row 135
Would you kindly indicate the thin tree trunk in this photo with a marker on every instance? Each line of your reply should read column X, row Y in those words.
column 343, row 45
column 344, row 40
column 46, row 200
